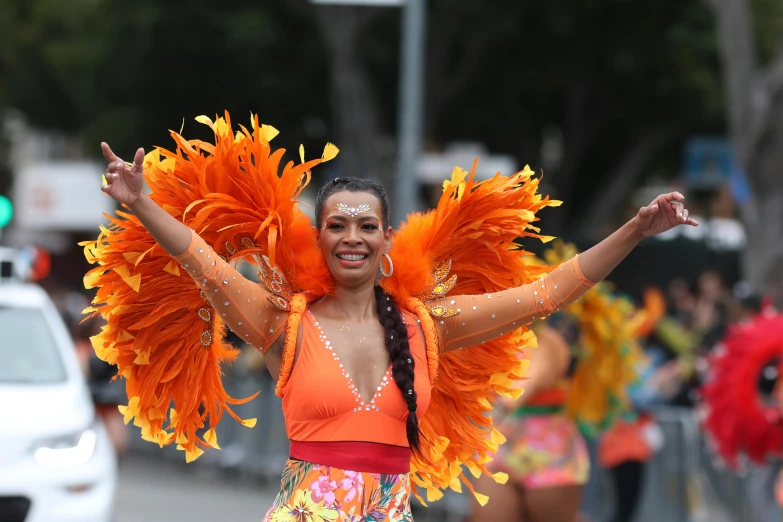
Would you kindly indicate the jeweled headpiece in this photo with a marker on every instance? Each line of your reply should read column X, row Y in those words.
column 353, row 211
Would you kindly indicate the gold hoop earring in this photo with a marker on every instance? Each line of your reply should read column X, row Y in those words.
column 391, row 266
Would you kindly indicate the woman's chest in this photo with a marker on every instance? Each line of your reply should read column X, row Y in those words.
column 348, row 370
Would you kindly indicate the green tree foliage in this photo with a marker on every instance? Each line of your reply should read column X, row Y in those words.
column 125, row 72
column 612, row 75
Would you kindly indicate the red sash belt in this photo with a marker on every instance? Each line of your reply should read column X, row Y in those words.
column 366, row 457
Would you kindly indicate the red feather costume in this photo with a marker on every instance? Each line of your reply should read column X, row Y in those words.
column 738, row 420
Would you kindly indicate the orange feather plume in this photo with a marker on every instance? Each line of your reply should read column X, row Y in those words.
column 475, row 225
column 233, row 194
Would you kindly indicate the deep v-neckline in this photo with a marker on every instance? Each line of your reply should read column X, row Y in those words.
column 368, row 405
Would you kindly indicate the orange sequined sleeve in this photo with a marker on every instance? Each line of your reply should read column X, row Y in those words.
column 241, row 303
column 481, row 318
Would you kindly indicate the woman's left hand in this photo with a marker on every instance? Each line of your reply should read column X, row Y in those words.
column 664, row 213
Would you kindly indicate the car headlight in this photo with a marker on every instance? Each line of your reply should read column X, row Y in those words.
column 67, row 450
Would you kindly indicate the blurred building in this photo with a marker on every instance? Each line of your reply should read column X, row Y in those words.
column 436, row 166
column 55, row 191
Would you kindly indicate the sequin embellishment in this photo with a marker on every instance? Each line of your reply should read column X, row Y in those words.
column 442, row 285
column 387, row 377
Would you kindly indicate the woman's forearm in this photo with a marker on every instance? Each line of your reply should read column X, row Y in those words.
column 599, row 261
column 170, row 233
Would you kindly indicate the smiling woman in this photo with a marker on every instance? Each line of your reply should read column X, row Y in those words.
column 336, row 325
column 352, row 220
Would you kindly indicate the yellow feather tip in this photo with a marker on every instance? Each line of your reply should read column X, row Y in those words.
column 433, row 494
column 203, row 119
column 210, row 437
column 269, row 132
column 330, row 152
column 500, row 478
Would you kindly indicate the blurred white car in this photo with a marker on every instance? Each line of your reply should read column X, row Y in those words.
column 57, row 463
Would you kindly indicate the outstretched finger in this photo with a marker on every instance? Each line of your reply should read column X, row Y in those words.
column 674, row 197
column 138, row 162
column 649, row 210
column 108, row 153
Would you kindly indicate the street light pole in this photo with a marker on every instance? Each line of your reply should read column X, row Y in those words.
column 410, row 108
column 409, row 114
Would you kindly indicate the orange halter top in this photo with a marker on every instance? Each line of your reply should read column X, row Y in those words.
column 329, row 423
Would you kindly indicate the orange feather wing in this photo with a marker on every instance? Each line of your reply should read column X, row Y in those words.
column 233, row 193
column 474, row 227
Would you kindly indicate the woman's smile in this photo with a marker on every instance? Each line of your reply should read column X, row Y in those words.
column 352, row 259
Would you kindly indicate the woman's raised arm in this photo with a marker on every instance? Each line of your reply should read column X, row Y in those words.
column 481, row 318
column 242, row 304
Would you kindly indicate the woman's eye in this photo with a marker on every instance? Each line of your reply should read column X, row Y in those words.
column 370, row 226
column 335, row 226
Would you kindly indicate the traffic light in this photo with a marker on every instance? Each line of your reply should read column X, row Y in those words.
column 6, row 211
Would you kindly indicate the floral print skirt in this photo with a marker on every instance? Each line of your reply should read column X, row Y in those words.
column 542, row 451
column 313, row 493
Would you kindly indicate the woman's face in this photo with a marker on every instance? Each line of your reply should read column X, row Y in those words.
column 352, row 237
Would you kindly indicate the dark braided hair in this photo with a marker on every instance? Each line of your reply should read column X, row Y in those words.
column 394, row 329
column 402, row 362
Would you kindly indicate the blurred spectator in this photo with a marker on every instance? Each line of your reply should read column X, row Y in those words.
column 682, row 301
column 710, row 302
column 746, row 307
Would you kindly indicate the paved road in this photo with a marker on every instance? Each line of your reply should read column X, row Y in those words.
column 162, row 491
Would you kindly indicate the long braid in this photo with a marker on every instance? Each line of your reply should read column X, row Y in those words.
column 396, row 337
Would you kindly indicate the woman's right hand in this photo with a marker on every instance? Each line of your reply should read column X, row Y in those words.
column 124, row 182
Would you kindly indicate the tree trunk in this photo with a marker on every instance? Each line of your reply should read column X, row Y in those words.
column 444, row 80
column 763, row 214
column 585, row 120
column 353, row 106
column 763, row 251
column 754, row 108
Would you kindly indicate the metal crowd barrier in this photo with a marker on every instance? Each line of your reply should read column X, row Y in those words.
column 683, row 482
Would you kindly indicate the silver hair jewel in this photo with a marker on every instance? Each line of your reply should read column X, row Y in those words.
column 353, row 211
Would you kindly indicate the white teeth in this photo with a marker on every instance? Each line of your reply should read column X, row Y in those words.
column 352, row 257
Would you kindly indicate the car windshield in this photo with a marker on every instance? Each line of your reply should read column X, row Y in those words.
column 28, row 353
